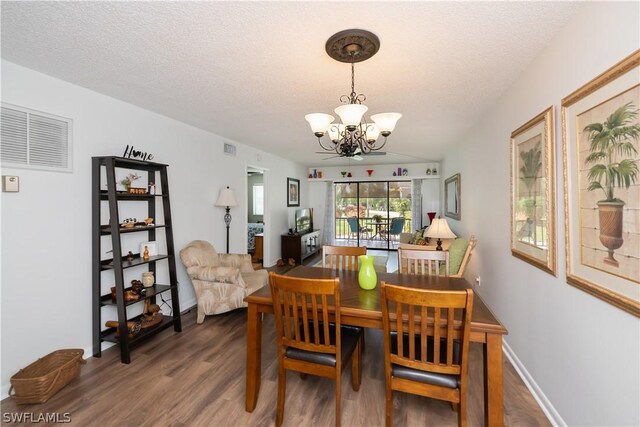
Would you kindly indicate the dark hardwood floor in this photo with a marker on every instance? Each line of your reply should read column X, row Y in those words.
column 196, row 378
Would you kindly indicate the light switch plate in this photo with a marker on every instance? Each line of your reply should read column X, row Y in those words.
column 10, row 184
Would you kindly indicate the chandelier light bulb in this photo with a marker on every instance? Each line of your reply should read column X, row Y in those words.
column 319, row 123
column 372, row 130
column 351, row 114
column 335, row 131
column 386, row 122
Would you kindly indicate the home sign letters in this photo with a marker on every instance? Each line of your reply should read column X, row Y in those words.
column 131, row 153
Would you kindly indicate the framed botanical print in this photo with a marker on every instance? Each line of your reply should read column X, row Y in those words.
column 293, row 192
column 601, row 146
column 533, row 214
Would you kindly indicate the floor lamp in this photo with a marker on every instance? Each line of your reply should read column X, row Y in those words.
column 227, row 199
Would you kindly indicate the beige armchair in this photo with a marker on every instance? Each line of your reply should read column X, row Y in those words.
column 221, row 281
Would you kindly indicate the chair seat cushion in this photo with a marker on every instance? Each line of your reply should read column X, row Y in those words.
column 349, row 337
column 445, row 380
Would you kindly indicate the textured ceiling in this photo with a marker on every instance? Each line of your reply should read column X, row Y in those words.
column 250, row 71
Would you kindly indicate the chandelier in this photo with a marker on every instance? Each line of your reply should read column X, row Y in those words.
column 353, row 135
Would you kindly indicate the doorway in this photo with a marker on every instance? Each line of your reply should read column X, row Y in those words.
column 257, row 245
column 372, row 213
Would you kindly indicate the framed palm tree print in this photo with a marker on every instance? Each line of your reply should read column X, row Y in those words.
column 533, row 215
column 601, row 146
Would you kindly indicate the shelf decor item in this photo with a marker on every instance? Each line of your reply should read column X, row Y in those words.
column 601, row 159
column 369, row 172
column 136, row 190
column 367, row 277
column 127, row 181
column 39, row 381
column 533, row 214
column 147, row 279
column 152, row 248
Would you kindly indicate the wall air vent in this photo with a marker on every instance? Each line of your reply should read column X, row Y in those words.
column 229, row 149
column 32, row 139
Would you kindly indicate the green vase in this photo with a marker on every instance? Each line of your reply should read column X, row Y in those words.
column 367, row 277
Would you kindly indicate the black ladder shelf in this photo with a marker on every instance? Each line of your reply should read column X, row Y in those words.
column 118, row 264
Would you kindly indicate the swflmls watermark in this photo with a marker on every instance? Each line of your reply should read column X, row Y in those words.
column 32, row 417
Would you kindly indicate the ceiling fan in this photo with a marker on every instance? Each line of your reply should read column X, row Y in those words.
column 357, row 155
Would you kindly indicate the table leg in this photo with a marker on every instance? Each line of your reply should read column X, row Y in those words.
column 493, row 388
column 254, row 356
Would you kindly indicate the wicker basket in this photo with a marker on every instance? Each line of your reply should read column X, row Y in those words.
column 39, row 381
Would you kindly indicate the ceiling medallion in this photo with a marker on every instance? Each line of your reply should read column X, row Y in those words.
column 353, row 135
column 352, row 45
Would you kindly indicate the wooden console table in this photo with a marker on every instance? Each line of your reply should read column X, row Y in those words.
column 300, row 246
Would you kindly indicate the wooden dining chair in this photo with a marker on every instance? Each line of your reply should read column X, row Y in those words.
column 426, row 345
column 307, row 341
column 423, row 262
column 342, row 257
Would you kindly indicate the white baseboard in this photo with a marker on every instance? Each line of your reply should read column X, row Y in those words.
column 552, row 415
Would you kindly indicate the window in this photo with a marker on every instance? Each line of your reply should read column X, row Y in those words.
column 258, row 199
column 35, row 140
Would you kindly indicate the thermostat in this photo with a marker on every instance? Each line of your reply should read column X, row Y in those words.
column 10, row 184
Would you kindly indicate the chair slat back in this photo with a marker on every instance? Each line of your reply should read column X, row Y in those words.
column 342, row 257
column 302, row 310
column 423, row 262
column 434, row 325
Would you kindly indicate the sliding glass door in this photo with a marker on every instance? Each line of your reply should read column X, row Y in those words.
column 372, row 214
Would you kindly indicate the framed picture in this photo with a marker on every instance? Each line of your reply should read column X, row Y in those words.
column 600, row 147
column 533, row 214
column 452, row 197
column 293, row 192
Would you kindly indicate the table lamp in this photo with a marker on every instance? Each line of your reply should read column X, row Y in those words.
column 439, row 229
column 227, row 199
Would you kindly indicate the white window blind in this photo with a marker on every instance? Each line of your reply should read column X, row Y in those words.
column 33, row 139
column 258, row 199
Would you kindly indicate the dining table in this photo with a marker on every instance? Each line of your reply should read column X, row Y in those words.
column 380, row 231
column 362, row 308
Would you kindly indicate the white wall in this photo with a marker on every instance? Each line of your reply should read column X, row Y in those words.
column 46, row 227
column 581, row 354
